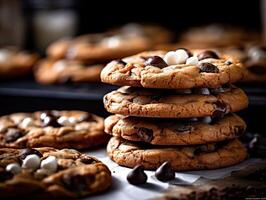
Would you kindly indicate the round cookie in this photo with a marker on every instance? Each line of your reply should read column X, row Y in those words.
column 47, row 173
column 15, row 63
column 173, row 131
column 201, row 102
column 59, row 129
column 95, row 48
column 208, row 156
column 50, row 71
column 179, row 69
column 210, row 36
column 253, row 58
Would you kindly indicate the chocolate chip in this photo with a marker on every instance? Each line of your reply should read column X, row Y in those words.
column 5, row 175
column 207, row 54
column 87, row 160
column 164, row 172
column 238, row 130
column 156, row 98
column 220, row 111
column 77, row 182
column 27, row 152
column 204, row 91
column 156, row 61
column 12, row 135
column 208, row 68
column 121, row 62
column 257, row 69
column 137, row 176
column 145, row 134
column 49, row 119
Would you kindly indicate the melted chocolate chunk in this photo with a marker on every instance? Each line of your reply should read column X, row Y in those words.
column 238, row 130
column 27, row 152
column 228, row 62
column 77, row 182
column 221, row 110
column 204, row 91
column 257, row 69
column 208, row 68
column 12, row 135
column 87, row 160
column 156, row 61
column 121, row 62
column 145, row 134
column 49, row 119
column 207, row 54
column 164, row 172
column 137, row 176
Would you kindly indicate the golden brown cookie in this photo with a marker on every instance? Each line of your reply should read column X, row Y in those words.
column 198, row 102
column 16, row 63
column 208, row 156
column 48, row 173
column 50, row 71
column 174, row 131
column 95, row 48
column 180, row 69
column 59, row 129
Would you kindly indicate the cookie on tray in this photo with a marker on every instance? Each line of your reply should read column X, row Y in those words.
column 95, row 48
column 48, row 173
column 197, row 157
column 174, row 131
column 58, row 129
column 50, row 71
column 197, row 102
column 180, row 69
column 15, row 62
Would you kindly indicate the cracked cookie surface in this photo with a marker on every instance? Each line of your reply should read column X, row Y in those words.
column 175, row 132
column 175, row 103
column 136, row 71
column 77, row 175
column 59, row 129
column 208, row 156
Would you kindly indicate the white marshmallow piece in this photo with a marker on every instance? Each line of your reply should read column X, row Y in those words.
column 63, row 120
column 171, row 58
column 49, row 163
column 192, row 61
column 31, row 162
column 14, row 168
column 113, row 41
column 4, row 55
column 182, row 56
column 27, row 122
column 207, row 120
column 73, row 120
column 59, row 65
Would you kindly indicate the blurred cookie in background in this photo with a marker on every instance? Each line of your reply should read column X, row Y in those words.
column 62, row 71
column 217, row 35
column 15, row 62
column 99, row 47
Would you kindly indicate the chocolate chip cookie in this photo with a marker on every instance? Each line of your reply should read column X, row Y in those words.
column 180, row 69
column 175, row 132
column 48, row 173
column 16, row 63
column 61, row 71
column 197, row 157
column 188, row 103
column 59, row 129
column 95, row 48
column 253, row 58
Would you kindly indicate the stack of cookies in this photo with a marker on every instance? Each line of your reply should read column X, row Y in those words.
column 81, row 59
column 175, row 106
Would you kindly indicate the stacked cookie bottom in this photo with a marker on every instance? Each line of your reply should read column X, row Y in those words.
column 193, row 129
